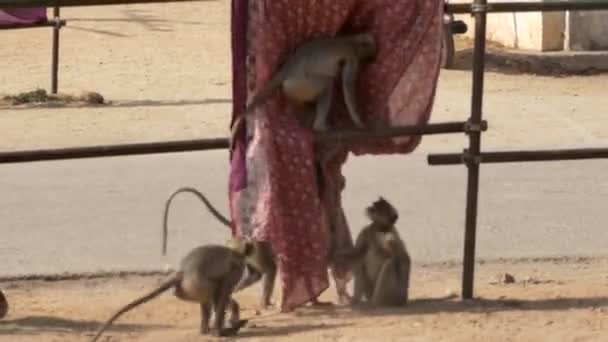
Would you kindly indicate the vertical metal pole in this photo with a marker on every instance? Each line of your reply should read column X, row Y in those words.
column 479, row 12
column 55, row 58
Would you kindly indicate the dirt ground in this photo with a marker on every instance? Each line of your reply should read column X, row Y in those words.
column 133, row 54
column 550, row 300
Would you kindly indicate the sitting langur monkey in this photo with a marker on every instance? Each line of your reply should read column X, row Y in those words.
column 380, row 260
column 208, row 275
column 308, row 76
column 264, row 258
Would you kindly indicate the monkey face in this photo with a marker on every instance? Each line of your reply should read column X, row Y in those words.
column 381, row 211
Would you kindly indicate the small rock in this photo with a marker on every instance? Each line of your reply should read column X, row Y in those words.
column 531, row 280
column 92, row 97
column 549, row 323
column 257, row 312
column 506, row 278
column 449, row 294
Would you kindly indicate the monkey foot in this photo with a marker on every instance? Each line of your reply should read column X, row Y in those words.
column 316, row 303
column 239, row 324
column 233, row 330
column 345, row 300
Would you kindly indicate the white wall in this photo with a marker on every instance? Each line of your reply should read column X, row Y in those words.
column 549, row 31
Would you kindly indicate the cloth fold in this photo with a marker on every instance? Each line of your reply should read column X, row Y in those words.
column 22, row 16
column 273, row 187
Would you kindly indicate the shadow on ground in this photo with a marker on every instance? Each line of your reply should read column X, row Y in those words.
column 433, row 306
column 256, row 330
column 115, row 104
column 547, row 64
column 37, row 325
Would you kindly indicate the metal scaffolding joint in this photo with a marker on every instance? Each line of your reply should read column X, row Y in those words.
column 470, row 159
column 470, row 127
column 480, row 8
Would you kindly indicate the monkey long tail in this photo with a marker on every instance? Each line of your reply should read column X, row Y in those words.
column 273, row 84
column 204, row 199
column 162, row 288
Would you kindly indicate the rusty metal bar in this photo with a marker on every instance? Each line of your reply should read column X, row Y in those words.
column 49, row 23
column 468, row 273
column 437, row 128
column 113, row 150
column 520, row 156
column 73, row 3
column 55, row 58
column 461, row 8
column 214, row 144
column 580, row 5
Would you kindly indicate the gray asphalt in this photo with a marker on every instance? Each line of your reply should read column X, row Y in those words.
column 105, row 214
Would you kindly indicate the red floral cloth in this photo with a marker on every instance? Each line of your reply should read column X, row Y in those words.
column 273, row 190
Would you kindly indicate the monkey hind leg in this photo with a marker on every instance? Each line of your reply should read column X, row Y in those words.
column 205, row 317
column 362, row 286
column 235, row 316
column 323, row 107
column 221, row 299
column 390, row 289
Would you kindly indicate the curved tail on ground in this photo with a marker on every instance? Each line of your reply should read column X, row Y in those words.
column 171, row 282
column 204, row 199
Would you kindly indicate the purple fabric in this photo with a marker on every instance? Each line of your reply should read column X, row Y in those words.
column 240, row 14
column 22, row 16
column 240, row 11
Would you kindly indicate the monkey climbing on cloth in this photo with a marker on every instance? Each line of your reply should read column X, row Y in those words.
column 272, row 188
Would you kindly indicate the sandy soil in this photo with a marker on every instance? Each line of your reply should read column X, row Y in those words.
column 166, row 70
column 558, row 300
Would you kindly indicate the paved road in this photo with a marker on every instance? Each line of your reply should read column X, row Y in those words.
column 105, row 214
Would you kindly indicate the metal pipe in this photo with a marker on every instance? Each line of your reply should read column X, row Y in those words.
column 112, row 150
column 73, row 3
column 438, row 128
column 212, row 144
column 521, row 156
column 501, row 7
column 49, row 23
column 461, row 8
column 468, row 273
column 55, row 57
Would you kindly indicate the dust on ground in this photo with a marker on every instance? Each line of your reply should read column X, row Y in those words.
column 550, row 300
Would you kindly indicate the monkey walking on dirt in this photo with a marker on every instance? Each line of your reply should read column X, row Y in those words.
column 264, row 259
column 208, row 275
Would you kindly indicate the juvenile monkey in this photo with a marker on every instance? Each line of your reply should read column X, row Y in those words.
column 208, row 275
column 380, row 260
column 3, row 305
column 308, row 76
column 264, row 258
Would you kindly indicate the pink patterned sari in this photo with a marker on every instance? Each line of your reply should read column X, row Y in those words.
column 273, row 188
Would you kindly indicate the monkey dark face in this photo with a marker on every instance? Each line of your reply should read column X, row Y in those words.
column 382, row 212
